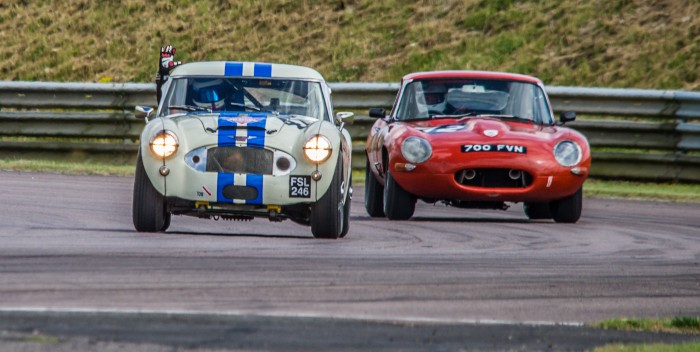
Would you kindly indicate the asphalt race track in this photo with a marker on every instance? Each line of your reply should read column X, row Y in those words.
column 72, row 266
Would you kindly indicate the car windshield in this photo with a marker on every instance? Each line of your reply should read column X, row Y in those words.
column 215, row 94
column 446, row 98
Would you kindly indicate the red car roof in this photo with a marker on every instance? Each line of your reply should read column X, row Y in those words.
column 472, row 74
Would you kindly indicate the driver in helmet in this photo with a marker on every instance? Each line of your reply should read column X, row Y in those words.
column 434, row 96
column 209, row 93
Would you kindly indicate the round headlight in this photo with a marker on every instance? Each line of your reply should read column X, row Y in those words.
column 164, row 144
column 567, row 153
column 416, row 149
column 318, row 148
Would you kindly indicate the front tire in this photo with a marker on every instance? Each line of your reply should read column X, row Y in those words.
column 148, row 208
column 374, row 194
column 346, row 211
column 327, row 213
column 166, row 221
column 568, row 210
column 536, row 211
column 398, row 204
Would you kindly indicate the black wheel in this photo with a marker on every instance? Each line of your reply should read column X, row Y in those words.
column 346, row 211
column 166, row 221
column 327, row 213
column 148, row 207
column 398, row 204
column 374, row 194
column 536, row 211
column 568, row 210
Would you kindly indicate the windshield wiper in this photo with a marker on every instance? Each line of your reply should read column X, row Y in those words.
column 189, row 108
column 471, row 113
column 512, row 118
column 254, row 108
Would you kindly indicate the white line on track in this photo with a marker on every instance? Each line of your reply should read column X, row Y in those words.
column 240, row 313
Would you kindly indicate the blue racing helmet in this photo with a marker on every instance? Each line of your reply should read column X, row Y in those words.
column 208, row 93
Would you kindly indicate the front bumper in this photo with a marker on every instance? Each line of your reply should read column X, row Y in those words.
column 549, row 182
column 183, row 182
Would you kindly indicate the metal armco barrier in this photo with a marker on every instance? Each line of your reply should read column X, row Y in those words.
column 655, row 134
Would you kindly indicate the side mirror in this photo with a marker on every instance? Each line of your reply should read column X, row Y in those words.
column 345, row 117
column 567, row 116
column 379, row 113
column 144, row 112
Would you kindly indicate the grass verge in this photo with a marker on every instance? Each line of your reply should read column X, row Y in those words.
column 682, row 324
column 41, row 339
column 685, row 347
column 593, row 188
column 677, row 325
column 674, row 192
column 62, row 167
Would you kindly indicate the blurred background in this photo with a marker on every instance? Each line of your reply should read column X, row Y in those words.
column 601, row 43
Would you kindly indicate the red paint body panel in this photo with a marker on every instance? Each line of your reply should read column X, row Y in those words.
column 435, row 179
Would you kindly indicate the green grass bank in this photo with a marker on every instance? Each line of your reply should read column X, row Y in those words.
column 605, row 43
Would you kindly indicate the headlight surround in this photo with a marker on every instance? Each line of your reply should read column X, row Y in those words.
column 164, row 144
column 318, row 148
column 416, row 149
column 197, row 159
column 568, row 153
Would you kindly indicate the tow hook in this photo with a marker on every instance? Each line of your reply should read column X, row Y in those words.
column 273, row 213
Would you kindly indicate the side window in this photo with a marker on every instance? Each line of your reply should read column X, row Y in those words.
column 177, row 95
column 401, row 111
column 315, row 101
column 408, row 108
column 541, row 108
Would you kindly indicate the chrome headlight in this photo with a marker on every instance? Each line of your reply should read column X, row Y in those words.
column 568, row 153
column 318, row 148
column 416, row 149
column 164, row 144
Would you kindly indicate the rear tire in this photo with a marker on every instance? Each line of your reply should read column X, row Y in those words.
column 148, row 208
column 536, row 211
column 374, row 194
column 398, row 204
column 568, row 210
column 327, row 213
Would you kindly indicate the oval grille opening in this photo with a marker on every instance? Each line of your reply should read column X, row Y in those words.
column 240, row 160
column 494, row 178
column 240, row 192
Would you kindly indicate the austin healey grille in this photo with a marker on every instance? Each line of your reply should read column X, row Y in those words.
column 240, row 160
column 494, row 178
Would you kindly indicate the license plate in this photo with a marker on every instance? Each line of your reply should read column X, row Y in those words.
column 299, row 186
column 503, row 148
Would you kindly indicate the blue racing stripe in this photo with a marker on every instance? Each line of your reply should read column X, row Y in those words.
column 256, row 131
column 227, row 136
column 223, row 180
column 255, row 181
column 233, row 69
column 262, row 70
column 256, row 138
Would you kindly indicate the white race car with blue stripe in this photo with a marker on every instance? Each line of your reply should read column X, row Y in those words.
column 238, row 140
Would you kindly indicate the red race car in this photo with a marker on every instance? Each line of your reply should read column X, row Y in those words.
column 474, row 139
